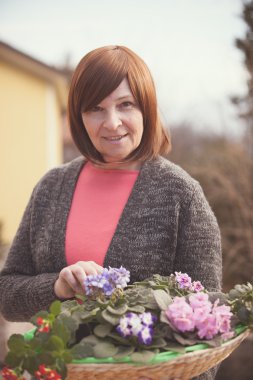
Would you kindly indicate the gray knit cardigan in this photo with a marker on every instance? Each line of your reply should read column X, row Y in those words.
column 167, row 225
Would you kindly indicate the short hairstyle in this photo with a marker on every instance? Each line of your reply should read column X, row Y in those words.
column 96, row 76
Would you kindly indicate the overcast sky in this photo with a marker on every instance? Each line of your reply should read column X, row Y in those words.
column 188, row 45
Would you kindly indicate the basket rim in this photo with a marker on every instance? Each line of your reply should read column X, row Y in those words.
column 185, row 366
column 242, row 333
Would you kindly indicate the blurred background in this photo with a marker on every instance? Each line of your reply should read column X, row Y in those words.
column 200, row 53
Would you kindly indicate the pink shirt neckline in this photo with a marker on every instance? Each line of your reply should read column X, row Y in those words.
column 98, row 202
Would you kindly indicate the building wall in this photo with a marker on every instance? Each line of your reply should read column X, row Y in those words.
column 30, row 140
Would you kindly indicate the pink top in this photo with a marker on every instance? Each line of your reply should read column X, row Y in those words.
column 99, row 199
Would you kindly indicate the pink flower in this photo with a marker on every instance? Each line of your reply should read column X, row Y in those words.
column 223, row 317
column 180, row 314
column 200, row 300
column 197, row 286
column 208, row 328
column 200, row 315
column 183, row 280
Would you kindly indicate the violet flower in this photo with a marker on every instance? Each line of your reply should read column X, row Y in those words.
column 137, row 325
column 107, row 281
column 183, row 280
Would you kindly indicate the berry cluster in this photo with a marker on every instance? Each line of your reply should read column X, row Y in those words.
column 10, row 374
column 44, row 325
column 45, row 373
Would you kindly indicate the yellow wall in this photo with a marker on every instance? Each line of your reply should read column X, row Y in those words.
column 30, row 140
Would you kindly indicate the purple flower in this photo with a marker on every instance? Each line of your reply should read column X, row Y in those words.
column 124, row 328
column 183, row 280
column 120, row 276
column 148, row 319
column 145, row 335
column 137, row 325
column 107, row 281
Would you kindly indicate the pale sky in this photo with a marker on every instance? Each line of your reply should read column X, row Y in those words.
column 188, row 45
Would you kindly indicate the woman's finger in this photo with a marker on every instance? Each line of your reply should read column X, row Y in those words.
column 69, row 277
column 82, row 269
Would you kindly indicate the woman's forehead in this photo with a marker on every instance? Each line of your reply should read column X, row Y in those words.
column 123, row 91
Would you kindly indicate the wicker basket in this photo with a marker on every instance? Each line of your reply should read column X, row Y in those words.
column 184, row 367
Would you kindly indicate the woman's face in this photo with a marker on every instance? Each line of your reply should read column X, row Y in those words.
column 115, row 125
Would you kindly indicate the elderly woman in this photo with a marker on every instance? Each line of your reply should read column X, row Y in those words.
column 120, row 203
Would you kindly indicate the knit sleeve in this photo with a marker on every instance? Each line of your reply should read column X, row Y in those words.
column 23, row 292
column 199, row 243
column 199, row 249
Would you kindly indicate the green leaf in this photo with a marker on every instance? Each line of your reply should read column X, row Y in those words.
column 174, row 347
column 110, row 318
column 136, row 309
column 184, row 341
column 104, row 350
column 13, row 360
column 119, row 338
column 158, row 343
column 67, row 356
column 46, row 358
column 55, row 308
column 64, row 327
column 61, row 367
column 55, row 343
column 162, row 298
column 102, row 330
column 70, row 323
column 215, row 342
column 123, row 351
column 82, row 350
column 118, row 310
column 163, row 318
column 35, row 343
column 91, row 339
column 142, row 356
column 243, row 314
column 16, row 343
column 70, row 305
column 30, row 364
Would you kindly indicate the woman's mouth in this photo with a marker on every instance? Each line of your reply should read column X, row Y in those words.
column 115, row 138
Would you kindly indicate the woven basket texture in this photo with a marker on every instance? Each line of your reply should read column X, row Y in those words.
column 183, row 367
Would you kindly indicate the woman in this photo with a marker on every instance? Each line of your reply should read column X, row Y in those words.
column 121, row 203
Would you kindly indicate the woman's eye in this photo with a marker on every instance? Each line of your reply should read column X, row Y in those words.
column 127, row 104
column 96, row 109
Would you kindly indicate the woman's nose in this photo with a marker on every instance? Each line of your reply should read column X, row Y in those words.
column 112, row 120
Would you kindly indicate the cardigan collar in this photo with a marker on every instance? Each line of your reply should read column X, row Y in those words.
column 148, row 172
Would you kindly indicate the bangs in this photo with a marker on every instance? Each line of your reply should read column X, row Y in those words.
column 102, row 76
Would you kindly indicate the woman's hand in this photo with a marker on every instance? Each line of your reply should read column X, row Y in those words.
column 71, row 278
